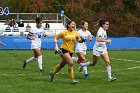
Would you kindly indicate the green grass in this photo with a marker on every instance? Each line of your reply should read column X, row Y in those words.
column 14, row 79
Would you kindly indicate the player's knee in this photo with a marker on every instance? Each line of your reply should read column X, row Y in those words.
column 93, row 63
column 107, row 62
column 83, row 60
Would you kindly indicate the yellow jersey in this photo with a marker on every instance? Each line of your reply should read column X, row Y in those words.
column 68, row 39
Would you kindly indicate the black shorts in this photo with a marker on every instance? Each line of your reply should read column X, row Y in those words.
column 65, row 51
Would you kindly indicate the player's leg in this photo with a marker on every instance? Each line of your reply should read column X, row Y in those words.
column 105, row 56
column 95, row 57
column 82, row 59
column 38, row 55
column 29, row 60
column 57, row 68
column 75, row 59
column 67, row 58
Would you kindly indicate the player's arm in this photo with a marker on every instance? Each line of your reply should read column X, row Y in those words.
column 79, row 39
column 45, row 34
column 100, row 39
column 57, row 37
column 2, row 43
column 31, row 35
column 90, row 36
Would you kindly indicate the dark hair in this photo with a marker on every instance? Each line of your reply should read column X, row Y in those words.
column 102, row 22
column 69, row 24
column 38, row 20
column 82, row 23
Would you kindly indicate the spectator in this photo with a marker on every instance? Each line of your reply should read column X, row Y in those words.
column 20, row 23
column 47, row 25
column 12, row 22
column 28, row 28
column 7, row 21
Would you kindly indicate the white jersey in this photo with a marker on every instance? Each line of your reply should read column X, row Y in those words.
column 37, row 33
column 85, row 34
column 100, row 46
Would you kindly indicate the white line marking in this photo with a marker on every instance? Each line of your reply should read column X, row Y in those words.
column 126, row 60
column 134, row 67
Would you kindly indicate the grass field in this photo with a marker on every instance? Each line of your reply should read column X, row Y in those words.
column 14, row 79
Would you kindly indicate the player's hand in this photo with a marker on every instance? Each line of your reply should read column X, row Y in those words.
column 90, row 37
column 57, row 50
column 108, row 41
column 4, row 45
column 83, row 39
column 33, row 39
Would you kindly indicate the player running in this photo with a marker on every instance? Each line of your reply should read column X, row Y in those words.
column 35, row 36
column 100, row 48
column 66, row 50
column 81, row 48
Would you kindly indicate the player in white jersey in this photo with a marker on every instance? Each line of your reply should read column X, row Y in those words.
column 100, row 48
column 35, row 36
column 81, row 48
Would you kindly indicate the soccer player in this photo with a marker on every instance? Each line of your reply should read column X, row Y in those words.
column 66, row 50
column 35, row 36
column 2, row 43
column 81, row 48
column 100, row 48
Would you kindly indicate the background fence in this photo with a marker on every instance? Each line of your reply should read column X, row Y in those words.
column 15, row 42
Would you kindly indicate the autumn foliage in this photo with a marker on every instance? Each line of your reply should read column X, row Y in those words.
column 123, row 15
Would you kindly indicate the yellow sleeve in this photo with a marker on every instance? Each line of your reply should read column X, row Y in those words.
column 60, row 35
column 78, row 38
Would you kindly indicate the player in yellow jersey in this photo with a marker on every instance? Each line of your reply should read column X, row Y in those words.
column 68, row 37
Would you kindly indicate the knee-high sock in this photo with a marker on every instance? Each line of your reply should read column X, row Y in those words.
column 40, row 62
column 30, row 59
column 108, row 68
column 75, row 59
column 71, row 73
column 85, row 64
column 56, row 69
column 85, row 70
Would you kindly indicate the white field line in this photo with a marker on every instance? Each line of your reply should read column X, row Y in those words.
column 62, row 73
column 134, row 67
column 128, row 60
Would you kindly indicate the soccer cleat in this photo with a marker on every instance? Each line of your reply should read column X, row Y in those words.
column 51, row 76
column 24, row 64
column 80, row 68
column 74, row 81
column 87, row 76
column 40, row 70
column 112, row 79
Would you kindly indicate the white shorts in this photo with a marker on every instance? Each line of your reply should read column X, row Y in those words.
column 78, row 50
column 35, row 46
column 98, row 53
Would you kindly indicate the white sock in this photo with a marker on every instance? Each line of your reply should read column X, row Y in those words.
column 85, row 64
column 75, row 59
column 30, row 59
column 85, row 70
column 40, row 62
column 108, row 68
